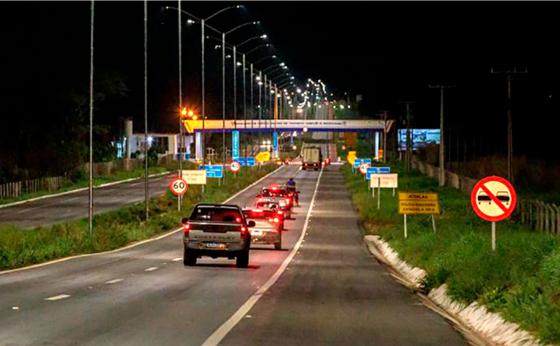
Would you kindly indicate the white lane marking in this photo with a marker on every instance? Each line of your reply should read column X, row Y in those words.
column 228, row 325
column 58, row 297
column 151, row 269
column 15, row 307
column 177, row 259
column 114, row 281
column 131, row 245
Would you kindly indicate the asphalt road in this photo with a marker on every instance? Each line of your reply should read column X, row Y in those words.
column 73, row 206
column 333, row 292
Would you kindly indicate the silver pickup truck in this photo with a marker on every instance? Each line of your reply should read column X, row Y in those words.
column 217, row 230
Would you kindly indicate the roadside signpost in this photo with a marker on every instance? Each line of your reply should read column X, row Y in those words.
column 194, row 177
column 213, row 171
column 263, row 156
column 426, row 203
column 178, row 186
column 377, row 170
column 493, row 199
column 363, row 168
column 383, row 181
column 235, row 166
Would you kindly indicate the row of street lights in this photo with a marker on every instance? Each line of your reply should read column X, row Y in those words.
column 261, row 78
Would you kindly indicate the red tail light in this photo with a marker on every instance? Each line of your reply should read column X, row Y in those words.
column 243, row 230
column 186, row 229
column 287, row 201
column 238, row 219
column 280, row 212
column 260, row 199
column 276, row 219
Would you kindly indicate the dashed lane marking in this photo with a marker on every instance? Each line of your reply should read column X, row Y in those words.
column 114, row 281
column 151, row 269
column 58, row 297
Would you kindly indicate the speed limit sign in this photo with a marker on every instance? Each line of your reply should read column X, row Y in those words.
column 178, row 186
column 235, row 166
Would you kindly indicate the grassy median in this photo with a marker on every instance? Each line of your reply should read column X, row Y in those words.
column 521, row 279
column 114, row 229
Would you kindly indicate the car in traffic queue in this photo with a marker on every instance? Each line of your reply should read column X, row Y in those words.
column 277, row 194
column 269, row 225
column 217, row 230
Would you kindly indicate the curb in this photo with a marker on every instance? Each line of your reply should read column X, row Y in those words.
column 129, row 246
column 477, row 324
column 79, row 190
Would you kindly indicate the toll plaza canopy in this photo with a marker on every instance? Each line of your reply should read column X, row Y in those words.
column 286, row 125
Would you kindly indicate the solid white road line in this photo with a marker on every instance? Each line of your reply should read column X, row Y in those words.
column 165, row 235
column 151, row 269
column 228, row 325
column 177, row 259
column 58, row 297
column 114, row 281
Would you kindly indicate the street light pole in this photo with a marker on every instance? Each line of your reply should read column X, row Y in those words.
column 244, row 107
column 180, row 141
column 224, row 98
column 234, row 86
column 203, row 81
column 146, row 109
column 90, row 184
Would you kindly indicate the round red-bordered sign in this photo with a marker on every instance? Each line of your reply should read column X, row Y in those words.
column 363, row 168
column 178, row 186
column 235, row 166
column 493, row 199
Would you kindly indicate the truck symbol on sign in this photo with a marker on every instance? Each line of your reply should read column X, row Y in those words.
column 502, row 196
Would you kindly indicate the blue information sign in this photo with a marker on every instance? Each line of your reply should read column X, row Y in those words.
column 235, row 145
column 247, row 161
column 214, row 171
column 377, row 170
column 359, row 162
column 275, row 142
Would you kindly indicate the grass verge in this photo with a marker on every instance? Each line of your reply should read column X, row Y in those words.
column 116, row 228
column 520, row 280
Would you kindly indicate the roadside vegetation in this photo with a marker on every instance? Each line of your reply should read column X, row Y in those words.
column 520, row 280
column 114, row 229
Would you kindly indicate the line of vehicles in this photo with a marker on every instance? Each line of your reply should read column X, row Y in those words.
column 226, row 230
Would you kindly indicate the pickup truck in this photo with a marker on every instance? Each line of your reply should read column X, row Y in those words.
column 216, row 230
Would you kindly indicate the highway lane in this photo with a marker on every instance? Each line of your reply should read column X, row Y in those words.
column 335, row 293
column 73, row 206
column 143, row 295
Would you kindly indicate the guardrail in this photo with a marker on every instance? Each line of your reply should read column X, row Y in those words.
column 539, row 215
column 18, row 188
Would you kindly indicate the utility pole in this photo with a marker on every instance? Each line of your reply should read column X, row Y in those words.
column 384, row 113
column 441, row 173
column 509, row 76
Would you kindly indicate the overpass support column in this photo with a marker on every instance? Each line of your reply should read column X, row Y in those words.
column 198, row 146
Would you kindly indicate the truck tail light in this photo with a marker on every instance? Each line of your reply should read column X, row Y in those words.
column 186, row 229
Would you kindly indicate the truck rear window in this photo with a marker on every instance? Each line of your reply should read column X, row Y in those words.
column 216, row 214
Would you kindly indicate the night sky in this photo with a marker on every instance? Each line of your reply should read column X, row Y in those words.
column 388, row 52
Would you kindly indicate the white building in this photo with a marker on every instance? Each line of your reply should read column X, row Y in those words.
column 167, row 143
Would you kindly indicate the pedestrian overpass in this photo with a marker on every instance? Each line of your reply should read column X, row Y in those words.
column 285, row 125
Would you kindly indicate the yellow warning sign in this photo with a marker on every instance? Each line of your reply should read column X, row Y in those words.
column 351, row 157
column 263, row 156
column 418, row 203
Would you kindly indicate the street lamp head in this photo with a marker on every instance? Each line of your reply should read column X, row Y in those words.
column 264, row 36
column 256, row 22
column 190, row 21
column 239, row 6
